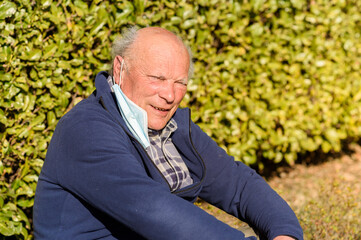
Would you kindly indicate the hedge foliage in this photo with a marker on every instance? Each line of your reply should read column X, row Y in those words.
column 273, row 78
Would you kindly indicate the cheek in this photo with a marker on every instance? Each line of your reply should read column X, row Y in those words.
column 142, row 93
column 148, row 89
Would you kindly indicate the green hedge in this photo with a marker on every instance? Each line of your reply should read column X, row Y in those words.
column 273, row 79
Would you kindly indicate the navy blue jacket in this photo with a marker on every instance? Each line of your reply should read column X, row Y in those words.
column 98, row 182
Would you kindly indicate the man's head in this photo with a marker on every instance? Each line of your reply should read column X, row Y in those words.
column 155, row 73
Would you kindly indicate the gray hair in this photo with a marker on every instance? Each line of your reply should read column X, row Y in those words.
column 122, row 44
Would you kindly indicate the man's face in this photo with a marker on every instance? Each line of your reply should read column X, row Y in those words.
column 156, row 81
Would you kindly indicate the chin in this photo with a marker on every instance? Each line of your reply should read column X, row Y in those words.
column 157, row 126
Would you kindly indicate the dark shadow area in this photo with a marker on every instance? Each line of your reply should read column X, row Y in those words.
column 315, row 158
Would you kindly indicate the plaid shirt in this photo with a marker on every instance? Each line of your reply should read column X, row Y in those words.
column 166, row 157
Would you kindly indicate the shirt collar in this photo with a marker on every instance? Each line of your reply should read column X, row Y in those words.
column 166, row 131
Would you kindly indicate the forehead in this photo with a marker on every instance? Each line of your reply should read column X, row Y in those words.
column 161, row 54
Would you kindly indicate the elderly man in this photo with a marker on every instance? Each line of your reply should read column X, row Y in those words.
column 126, row 163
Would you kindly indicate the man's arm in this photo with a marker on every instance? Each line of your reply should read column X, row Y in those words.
column 240, row 191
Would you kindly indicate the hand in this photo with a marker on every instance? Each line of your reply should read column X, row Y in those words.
column 283, row 238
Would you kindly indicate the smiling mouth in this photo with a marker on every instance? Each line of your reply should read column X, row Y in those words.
column 161, row 109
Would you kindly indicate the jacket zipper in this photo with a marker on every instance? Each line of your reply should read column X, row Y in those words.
column 200, row 157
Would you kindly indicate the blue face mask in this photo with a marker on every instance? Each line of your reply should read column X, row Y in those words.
column 135, row 117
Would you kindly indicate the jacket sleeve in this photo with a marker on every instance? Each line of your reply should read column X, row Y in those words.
column 93, row 162
column 237, row 189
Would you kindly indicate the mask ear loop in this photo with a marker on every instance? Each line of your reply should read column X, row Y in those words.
column 120, row 74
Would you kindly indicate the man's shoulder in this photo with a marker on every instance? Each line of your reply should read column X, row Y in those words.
column 81, row 110
column 87, row 115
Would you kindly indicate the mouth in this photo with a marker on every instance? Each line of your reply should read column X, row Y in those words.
column 161, row 109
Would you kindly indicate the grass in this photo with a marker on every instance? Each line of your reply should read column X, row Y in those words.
column 335, row 214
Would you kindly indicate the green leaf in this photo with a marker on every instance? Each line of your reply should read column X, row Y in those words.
column 31, row 178
column 12, row 92
column 326, row 146
column 51, row 118
column 97, row 26
column 189, row 23
column 76, row 62
column 7, row 9
column 25, row 202
column 34, row 55
column 7, row 228
column 257, row 4
column 80, row 7
column 5, row 54
column 54, row 91
column 139, row 6
column 3, row 118
column 1, row 199
column 39, row 119
column 5, row 76
column 332, row 135
column 49, row 51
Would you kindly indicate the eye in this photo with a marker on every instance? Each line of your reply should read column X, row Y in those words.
column 157, row 77
column 183, row 82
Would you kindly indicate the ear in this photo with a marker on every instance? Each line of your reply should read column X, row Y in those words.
column 116, row 68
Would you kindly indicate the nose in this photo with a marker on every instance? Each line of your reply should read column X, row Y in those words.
column 167, row 91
